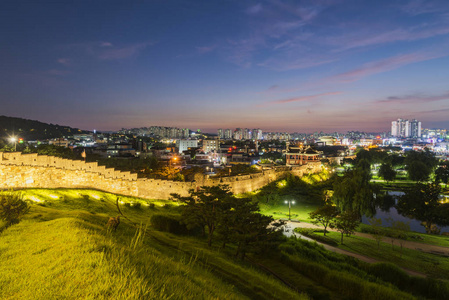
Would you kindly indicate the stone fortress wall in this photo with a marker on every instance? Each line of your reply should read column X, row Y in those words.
column 19, row 170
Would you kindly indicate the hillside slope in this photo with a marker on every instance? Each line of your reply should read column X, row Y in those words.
column 62, row 250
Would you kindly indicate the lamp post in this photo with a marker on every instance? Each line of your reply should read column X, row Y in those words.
column 13, row 139
column 289, row 202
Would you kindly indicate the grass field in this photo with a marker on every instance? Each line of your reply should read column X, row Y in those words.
column 62, row 250
column 424, row 238
column 299, row 210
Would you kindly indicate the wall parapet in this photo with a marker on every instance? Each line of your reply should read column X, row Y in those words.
column 35, row 160
column 19, row 170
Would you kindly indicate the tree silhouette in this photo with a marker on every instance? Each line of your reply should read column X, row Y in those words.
column 422, row 202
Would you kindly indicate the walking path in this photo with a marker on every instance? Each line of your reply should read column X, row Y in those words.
column 432, row 249
column 407, row 244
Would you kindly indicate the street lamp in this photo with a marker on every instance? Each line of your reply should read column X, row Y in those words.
column 172, row 162
column 13, row 139
column 289, row 202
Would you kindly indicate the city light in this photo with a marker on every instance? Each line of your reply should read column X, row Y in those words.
column 13, row 139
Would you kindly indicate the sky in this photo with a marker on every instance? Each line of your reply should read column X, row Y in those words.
column 294, row 66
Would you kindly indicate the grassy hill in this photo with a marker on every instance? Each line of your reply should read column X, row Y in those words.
column 62, row 250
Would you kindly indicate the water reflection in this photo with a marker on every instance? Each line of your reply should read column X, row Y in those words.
column 386, row 211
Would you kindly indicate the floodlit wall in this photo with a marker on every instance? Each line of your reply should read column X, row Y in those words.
column 19, row 170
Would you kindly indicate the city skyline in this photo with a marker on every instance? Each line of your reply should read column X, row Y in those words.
column 276, row 65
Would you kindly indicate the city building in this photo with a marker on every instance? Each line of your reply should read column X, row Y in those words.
column 184, row 145
column 211, row 146
column 220, row 133
column 228, row 134
column 302, row 156
column 405, row 128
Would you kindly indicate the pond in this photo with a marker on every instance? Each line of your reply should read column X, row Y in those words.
column 388, row 213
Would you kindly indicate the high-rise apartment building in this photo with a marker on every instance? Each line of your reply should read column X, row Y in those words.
column 220, row 134
column 406, row 128
column 228, row 134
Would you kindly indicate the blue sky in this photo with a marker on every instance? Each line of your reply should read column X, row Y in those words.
column 277, row 65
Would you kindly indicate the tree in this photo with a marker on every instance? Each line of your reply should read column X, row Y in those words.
column 418, row 171
column 387, row 172
column 377, row 230
column 234, row 220
column 254, row 232
column 422, row 202
column 324, row 215
column 12, row 207
column 419, row 165
column 203, row 207
column 442, row 173
column 354, row 192
column 346, row 223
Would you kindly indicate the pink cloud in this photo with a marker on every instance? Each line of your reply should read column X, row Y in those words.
column 384, row 65
column 105, row 44
column 64, row 61
column 203, row 50
column 303, row 98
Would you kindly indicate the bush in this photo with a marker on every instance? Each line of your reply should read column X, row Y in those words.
column 12, row 207
column 390, row 273
column 168, row 223
column 137, row 205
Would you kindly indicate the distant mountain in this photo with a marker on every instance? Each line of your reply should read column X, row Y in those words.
column 34, row 130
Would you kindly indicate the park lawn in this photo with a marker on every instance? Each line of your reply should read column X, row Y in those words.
column 299, row 211
column 434, row 265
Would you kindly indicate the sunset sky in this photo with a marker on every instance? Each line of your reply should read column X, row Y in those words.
column 296, row 66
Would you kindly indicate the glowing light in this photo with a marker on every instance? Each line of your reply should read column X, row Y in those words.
column 53, row 196
column 35, row 199
column 95, row 196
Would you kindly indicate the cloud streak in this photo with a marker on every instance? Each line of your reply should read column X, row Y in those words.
column 108, row 51
column 415, row 98
column 365, row 38
column 123, row 52
column 302, row 98
column 384, row 65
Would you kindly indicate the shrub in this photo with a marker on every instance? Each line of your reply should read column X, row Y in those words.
column 390, row 273
column 137, row 205
column 168, row 223
column 151, row 205
column 12, row 207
